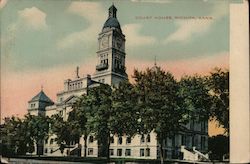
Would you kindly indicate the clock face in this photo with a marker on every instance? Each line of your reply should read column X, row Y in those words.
column 104, row 42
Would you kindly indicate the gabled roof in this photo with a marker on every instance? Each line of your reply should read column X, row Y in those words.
column 41, row 96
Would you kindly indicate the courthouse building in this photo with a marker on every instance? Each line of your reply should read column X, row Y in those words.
column 110, row 69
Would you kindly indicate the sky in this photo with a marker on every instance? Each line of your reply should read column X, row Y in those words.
column 43, row 41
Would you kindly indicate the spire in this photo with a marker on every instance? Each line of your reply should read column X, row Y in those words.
column 77, row 72
column 41, row 87
column 155, row 67
column 112, row 11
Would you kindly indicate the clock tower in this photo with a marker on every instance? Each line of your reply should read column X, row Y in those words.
column 110, row 68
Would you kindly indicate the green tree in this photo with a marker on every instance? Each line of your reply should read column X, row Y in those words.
column 157, row 94
column 15, row 137
column 218, row 82
column 195, row 97
column 124, row 115
column 79, row 116
column 38, row 127
column 100, row 105
column 65, row 131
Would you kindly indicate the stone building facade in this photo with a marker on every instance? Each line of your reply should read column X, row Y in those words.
column 111, row 70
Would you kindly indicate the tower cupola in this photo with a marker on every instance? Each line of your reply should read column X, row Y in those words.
column 112, row 21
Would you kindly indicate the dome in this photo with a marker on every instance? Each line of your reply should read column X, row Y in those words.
column 112, row 22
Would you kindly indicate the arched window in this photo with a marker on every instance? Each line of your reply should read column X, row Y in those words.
column 142, row 139
column 51, row 141
column 91, row 139
column 112, row 139
column 128, row 140
column 120, row 140
column 148, row 138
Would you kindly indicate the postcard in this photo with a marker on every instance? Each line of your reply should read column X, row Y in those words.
column 53, row 52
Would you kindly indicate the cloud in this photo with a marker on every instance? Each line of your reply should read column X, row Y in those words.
column 188, row 27
column 134, row 38
column 33, row 18
column 90, row 11
column 198, row 65
column 3, row 3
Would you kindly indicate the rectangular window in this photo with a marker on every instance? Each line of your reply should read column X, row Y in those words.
column 203, row 140
column 111, row 151
column 141, row 152
column 90, row 151
column 147, row 152
column 183, row 139
column 192, row 125
column 61, row 113
column 119, row 152
column 128, row 152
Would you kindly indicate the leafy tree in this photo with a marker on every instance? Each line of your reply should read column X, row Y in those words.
column 79, row 116
column 218, row 82
column 38, row 127
column 195, row 97
column 100, row 104
column 124, row 115
column 65, row 131
column 15, row 137
column 158, row 99
column 105, row 112
column 218, row 146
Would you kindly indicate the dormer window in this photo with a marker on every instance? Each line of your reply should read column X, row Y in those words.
column 32, row 105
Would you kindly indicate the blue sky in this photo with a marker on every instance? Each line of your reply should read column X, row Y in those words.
column 38, row 34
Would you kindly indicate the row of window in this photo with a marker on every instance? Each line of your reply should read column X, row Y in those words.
column 198, row 126
column 46, row 151
column 127, row 152
column 50, row 142
column 120, row 140
column 101, row 80
column 104, row 56
column 75, row 86
column 104, row 61
column 32, row 105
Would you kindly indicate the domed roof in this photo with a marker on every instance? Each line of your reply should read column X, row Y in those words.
column 112, row 22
